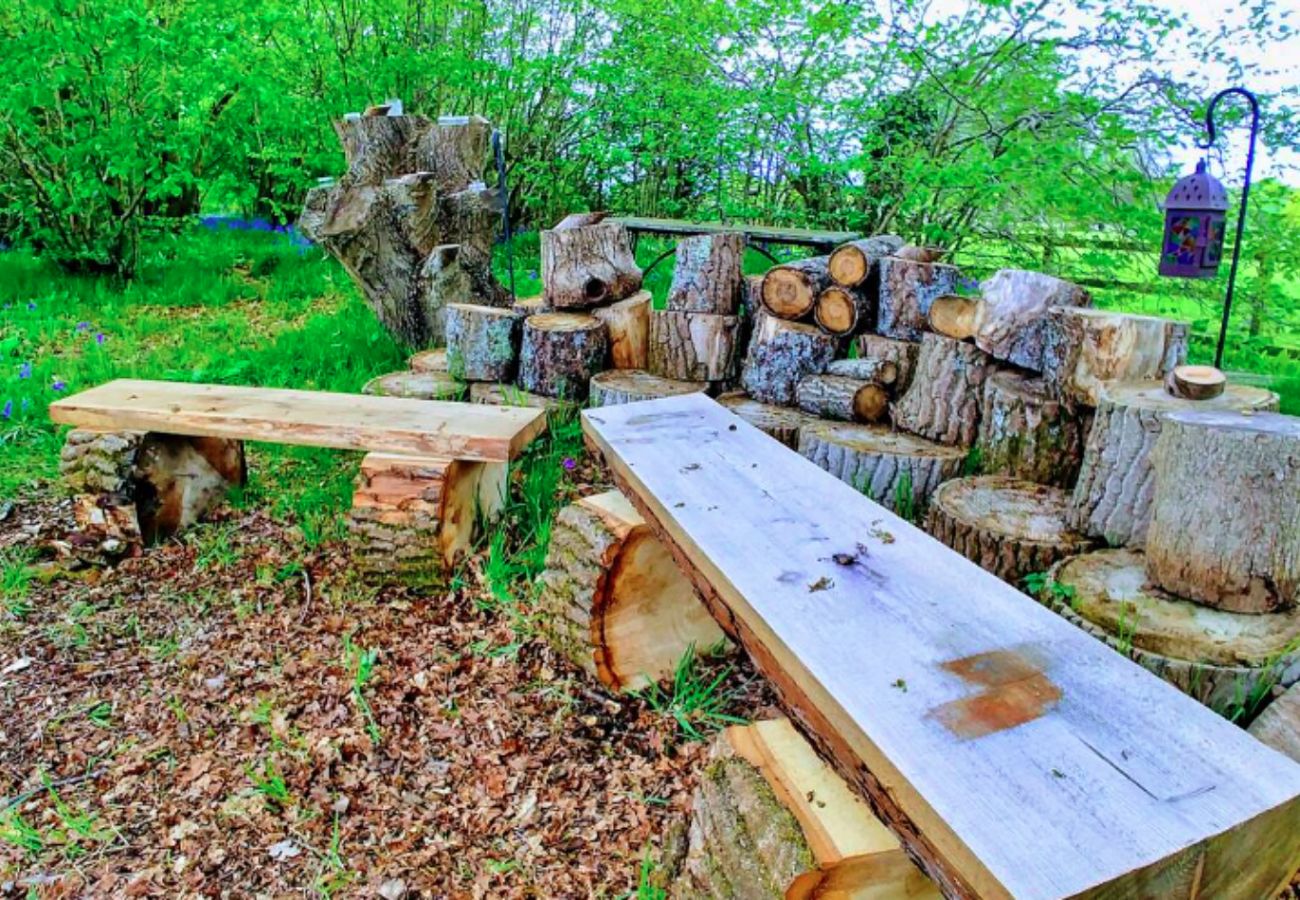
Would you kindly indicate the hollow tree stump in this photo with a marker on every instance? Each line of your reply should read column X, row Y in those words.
column 616, row 386
column 1223, row 659
column 1225, row 514
column 1004, row 525
column 429, row 360
column 851, row 264
column 844, row 398
column 1112, row 498
column 561, row 351
column 844, row 311
column 944, row 399
column 588, row 266
column 689, row 346
column 790, row 290
column 780, row 422
column 781, row 354
column 416, row 385
column 707, row 277
column 614, row 602
column 482, row 342
column 897, row 470
column 1085, row 349
column 907, row 288
column 628, row 324
column 1026, row 433
column 902, row 354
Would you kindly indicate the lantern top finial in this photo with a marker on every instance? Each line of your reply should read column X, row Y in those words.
column 1200, row 190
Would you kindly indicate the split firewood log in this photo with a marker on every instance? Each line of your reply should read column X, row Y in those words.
column 1223, row 659
column 943, row 402
column 907, row 288
column 689, row 346
column 1112, row 498
column 615, row 603
column 616, row 386
column 588, row 266
column 416, row 385
column 1195, row 382
column 1086, row 349
column 781, row 354
column 844, row 311
column 707, row 277
column 1009, row 321
column 780, row 422
column 482, row 342
column 1025, row 432
column 434, row 360
column 560, row 353
column 628, row 324
column 790, row 290
column 902, row 354
column 841, row 397
column 1225, row 515
column 1005, row 525
column 850, row 264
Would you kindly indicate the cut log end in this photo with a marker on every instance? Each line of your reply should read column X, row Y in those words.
column 850, row 264
column 844, row 398
column 617, row 386
column 780, row 422
column 954, row 316
column 429, row 385
column 1195, row 382
column 838, row 311
column 560, row 353
column 787, row 294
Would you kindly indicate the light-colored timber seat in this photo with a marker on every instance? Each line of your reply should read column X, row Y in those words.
column 1013, row 754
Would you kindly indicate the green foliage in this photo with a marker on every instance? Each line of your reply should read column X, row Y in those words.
column 361, row 661
column 695, row 701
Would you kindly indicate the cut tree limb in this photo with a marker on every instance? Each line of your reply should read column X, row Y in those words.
column 943, row 402
column 843, row 311
column 780, row 422
column 907, row 288
column 588, row 265
column 628, row 323
column 790, row 290
column 851, row 264
column 707, row 277
column 1279, row 725
column 560, row 353
column 482, row 342
column 1195, row 382
column 877, row 371
column 689, row 346
column 844, row 398
column 616, row 386
column 903, row 354
column 1086, row 349
column 781, row 354
column 1026, row 433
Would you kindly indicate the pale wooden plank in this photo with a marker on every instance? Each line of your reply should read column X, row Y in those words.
column 771, row 233
column 1114, row 784
column 311, row 418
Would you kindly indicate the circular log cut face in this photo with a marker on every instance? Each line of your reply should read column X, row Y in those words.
column 837, row 312
column 416, row 386
column 787, row 293
column 780, row 422
column 1028, row 512
column 615, row 386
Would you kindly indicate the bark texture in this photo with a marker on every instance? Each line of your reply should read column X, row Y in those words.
column 617, row 386
column 907, row 288
column 1225, row 516
column 1026, row 433
column 944, row 399
column 689, row 346
column 852, row 264
column 707, row 277
column 561, row 351
column 1085, row 349
column 780, row 422
column 416, row 385
column 781, row 354
column 903, row 354
column 844, row 398
column 844, row 311
column 482, row 343
column 790, row 290
column 877, row 371
column 1279, row 724
column 1005, row 525
column 628, row 324
column 588, row 266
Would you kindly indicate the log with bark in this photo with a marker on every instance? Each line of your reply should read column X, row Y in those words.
column 1279, row 727
column 491, row 393
column 944, row 399
column 1009, row 321
column 434, row 360
column 628, row 323
column 780, row 422
column 1195, row 382
column 1223, row 659
column 613, row 601
column 690, row 346
column 877, row 371
column 907, row 288
column 1025, row 432
column 707, row 277
column 416, row 385
column 844, row 311
column 1085, row 349
column 560, row 353
column 851, row 264
column 1225, row 515
column 580, row 220
column 1005, row 525
column 790, row 290
column 781, row 354
column 588, row 266
column 1112, row 498
column 616, row 386
column 842, row 397
column 902, row 354
column 896, row 470
column 531, row 306
column 482, row 342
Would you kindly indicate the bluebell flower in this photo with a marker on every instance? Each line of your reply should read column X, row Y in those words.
column 31, row 307
column 569, row 464
column 532, row 273
column 7, row 411
column 259, row 224
column 100, row 338
column 25, row 370
column 27, row 404
column 59, row 386
column 83, row 326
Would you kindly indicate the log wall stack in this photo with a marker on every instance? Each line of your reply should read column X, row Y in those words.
column 697, row 336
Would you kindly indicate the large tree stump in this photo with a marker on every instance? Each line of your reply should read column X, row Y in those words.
column 561, row 351
column 707, row 277
column 902, row 354
column 943, row 402
column 896, row 470
column 1010, row 320
column 771, row 821
column 1085, row 349
column 844, row 311
column 790, row 290
column 1112, row 498
column 780, row 422
column 1225, row 660
column 616, row 386
column 907, row 288
column 416, row 385
column 613, row 601
column 1279, row 725
column 1026, row 433
column 588, row 266
column 851, row 264
column 628, row 324
column 689, row 346
column 844, row 398
column 1225, row 515
column 482, row 342
column 781, row 354
column 1005, row 525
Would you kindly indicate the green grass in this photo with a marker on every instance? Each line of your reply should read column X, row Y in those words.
column 695, row 701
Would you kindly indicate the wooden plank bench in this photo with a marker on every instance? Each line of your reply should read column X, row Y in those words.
column 1014, row 755
column 149, row 457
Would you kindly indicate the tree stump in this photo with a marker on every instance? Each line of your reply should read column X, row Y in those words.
column 588, row 266
column 780, row 422
column 907, row 288
column 1004, row 525
column 614, row 602
column 1085, row 349
column 843, row 311
column 707, row 277
column 450, row 275
column 1112, row 498
column 1010, row 320
column 1225, row 515
column 903, row 354
column 894, row 469
column 1195, row 382
column 482, row 342
column 943, row 402
column 781, row 354
column 617, row 386
column 429, row 360
column 561, row 351
column 851, row 264
column 1026, row 433
column 1279, row 724
column 491, row 394
column 790, row 290
column 531, row 306
column 416, row 385
column 844, row 398
column 628, row 324
column 1222, row 659
column 689, row 346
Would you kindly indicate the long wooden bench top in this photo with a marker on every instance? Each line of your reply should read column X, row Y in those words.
column 772, row 234
column 1013, row 754
column 312, row 418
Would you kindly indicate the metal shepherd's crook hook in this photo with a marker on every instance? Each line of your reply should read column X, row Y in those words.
column 499, row 153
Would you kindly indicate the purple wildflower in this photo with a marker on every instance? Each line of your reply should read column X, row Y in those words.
column 7, row 410
column 83, row 326
column 100, row 338
column 59, row 385
column 569, row 464
column 31, row 306
column 25, row 370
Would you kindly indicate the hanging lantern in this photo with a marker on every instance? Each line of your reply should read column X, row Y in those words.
column 1195, row 214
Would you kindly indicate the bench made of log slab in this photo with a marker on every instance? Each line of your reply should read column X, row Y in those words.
column 1012, row 754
